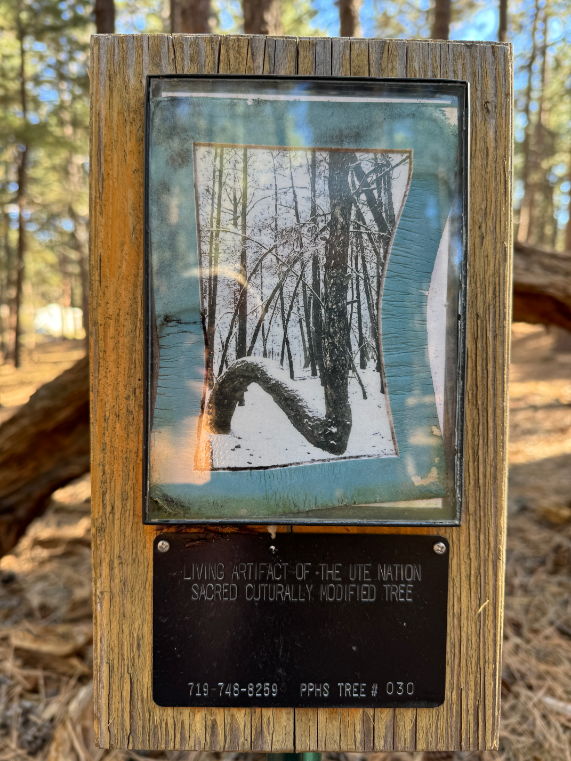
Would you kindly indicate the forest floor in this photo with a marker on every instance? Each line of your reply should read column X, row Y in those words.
column 45, row 587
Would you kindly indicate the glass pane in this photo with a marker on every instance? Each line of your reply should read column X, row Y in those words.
column 305, row 260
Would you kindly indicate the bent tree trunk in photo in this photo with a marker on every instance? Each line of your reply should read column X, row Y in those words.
column 43, row 446
column 330, row 432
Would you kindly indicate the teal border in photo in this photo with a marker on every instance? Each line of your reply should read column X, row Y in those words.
column 327, row 492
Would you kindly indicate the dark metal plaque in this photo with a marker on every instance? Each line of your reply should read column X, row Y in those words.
column 302, row 620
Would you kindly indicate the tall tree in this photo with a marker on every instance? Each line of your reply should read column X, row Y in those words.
column 349, row 23
column 21, row 192
column 523, row 226
column 262, row 16
column 526, row 147
column 537, row 179
column 191, row 16
column 568, row 225
column 503, row 21
column 104, row 12
column 441, row 20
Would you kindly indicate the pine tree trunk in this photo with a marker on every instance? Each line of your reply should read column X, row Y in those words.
column 523, row 225
column 349, row 24
column 441, row 22
column 104, row 12
column 538, row 146
column 10, row 282
column 190, row 16
column 21, row 202
column 262, row 17
column 568, row 226
column 503, row 25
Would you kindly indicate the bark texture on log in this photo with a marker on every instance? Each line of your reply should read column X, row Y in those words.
column 542, row 286
column 44, row 446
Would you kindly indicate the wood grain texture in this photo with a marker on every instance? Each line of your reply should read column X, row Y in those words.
column 126, row 716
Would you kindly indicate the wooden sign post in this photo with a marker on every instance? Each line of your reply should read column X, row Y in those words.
column 168, row 462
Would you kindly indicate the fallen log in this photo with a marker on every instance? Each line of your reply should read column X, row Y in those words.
column 43, row 446
column 542, row 286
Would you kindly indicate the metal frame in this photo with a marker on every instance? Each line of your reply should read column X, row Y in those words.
column 463, row 188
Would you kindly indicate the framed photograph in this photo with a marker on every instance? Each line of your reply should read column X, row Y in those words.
column 305, row 300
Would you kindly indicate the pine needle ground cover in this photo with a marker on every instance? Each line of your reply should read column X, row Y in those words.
column 45, row 597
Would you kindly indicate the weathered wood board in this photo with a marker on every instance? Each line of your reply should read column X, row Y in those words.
column 126, row 716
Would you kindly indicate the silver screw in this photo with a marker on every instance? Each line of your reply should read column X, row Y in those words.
column 439, row 548
column 163, row 546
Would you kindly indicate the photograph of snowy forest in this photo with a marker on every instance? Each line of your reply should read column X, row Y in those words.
column 293, row 249
column 304, row 274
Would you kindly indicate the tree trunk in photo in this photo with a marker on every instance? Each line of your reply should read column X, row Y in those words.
column 104, row 12
column 349, row 23
column 362, row 352
column 503, row 25
column 316, row 322
column 375, row 204
column 190, row 16
column 241, row 345
column 307, row 316
column 43, row 446
column 262, row 17
column 214, row 253
column 336, row 363
column 441, row 21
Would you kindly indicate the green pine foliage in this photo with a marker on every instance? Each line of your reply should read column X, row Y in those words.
column 44, row 115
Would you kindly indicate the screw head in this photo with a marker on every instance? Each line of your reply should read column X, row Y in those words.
column 163, row 546
column 439, row 548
